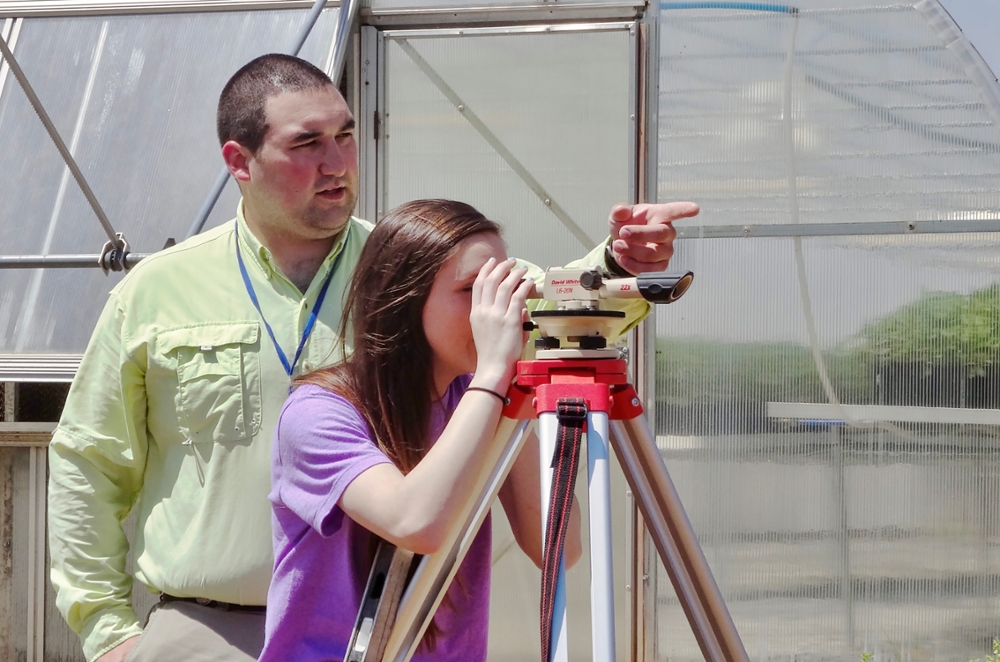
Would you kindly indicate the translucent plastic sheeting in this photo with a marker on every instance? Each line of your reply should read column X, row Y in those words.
column 828, row 539
column 558, row 102
column 134, row 97
column 823, row 111
column 831, row 542
column 833, row 538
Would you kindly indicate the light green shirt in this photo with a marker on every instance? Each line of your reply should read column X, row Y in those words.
column 172, row 413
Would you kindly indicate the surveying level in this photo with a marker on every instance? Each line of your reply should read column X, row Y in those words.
column 578, row 316
column 575, row 385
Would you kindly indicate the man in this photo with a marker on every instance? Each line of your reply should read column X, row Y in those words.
column 173, row 409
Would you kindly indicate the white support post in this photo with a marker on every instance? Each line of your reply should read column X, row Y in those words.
column 9, row 401
column 36, row 554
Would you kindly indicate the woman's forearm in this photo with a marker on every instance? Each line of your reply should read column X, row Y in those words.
column 416, row 511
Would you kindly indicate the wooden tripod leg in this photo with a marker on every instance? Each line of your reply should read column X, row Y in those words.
column 377, row 613
column 435, row 571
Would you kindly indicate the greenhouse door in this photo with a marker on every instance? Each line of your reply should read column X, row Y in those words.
column 535, row 126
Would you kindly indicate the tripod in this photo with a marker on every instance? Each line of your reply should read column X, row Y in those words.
column 595, row 377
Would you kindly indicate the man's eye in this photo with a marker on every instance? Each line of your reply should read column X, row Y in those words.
column 310, row 143
column 347, row 135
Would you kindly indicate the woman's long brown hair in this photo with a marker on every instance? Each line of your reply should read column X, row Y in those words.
column 387, row 374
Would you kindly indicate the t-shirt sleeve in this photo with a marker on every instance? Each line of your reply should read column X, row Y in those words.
column 322, row 443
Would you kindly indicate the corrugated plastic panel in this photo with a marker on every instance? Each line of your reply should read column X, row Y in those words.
column 832, row 537
column 134, row 98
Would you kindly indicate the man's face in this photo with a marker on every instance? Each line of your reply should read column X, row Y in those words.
column 303, row 181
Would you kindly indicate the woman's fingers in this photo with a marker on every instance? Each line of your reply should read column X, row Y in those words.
column 509, row 285
column 495, row 286
column 480, row 282
column 492, row 274
column 519, row 297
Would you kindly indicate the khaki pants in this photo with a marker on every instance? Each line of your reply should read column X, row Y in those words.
column 189, row 632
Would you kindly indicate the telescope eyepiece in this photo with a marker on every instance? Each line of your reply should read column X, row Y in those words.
column 591, row 280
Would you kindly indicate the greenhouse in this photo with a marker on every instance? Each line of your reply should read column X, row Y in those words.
column 826, row 396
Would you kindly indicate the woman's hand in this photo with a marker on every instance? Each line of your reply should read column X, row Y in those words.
column 498, row 314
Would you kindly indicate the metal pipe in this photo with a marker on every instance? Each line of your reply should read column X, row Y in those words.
column 345, row 24
column 738, row 6
column 62, row 261
column 860, row 228
column 602, row 582
column 15, row 69
column 28, row 9
column 348, row 14
column 676, row 541
column 10, row 30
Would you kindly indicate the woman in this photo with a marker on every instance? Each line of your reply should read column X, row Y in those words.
column 386, row 443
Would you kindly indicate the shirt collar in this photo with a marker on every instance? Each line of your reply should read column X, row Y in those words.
column 252, row 247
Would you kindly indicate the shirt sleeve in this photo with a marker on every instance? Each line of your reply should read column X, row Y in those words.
column 322, row 444
column 96, row 461
column 635, row 309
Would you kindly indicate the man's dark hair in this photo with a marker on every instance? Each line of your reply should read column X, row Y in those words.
column 241, row 116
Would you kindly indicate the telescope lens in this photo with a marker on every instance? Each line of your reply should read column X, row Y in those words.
column 660, row 287
column 681, row 287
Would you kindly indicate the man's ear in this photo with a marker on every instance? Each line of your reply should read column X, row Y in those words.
column 237, row 158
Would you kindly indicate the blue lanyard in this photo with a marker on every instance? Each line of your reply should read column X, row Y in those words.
column 289, row 367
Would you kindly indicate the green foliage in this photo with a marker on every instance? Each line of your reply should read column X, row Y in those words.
column 940, row 328
column 996, row 653
column 699, row 371
column 995, row 657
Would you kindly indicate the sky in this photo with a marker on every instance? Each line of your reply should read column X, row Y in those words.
column 980, row 22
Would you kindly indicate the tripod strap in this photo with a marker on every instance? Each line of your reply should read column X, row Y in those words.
column 572, row 416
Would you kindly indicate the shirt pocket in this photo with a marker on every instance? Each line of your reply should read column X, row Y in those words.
column 218, row 380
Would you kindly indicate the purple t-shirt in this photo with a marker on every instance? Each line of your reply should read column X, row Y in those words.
column 322, row 557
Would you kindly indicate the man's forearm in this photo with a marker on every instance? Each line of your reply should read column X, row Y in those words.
column 88, row 549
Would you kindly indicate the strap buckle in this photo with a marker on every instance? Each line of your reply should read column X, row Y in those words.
column 571, row 410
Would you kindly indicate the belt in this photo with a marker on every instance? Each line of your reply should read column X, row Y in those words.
column 215, row 604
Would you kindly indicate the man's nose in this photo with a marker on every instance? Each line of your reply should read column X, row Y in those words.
column 334, row 160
